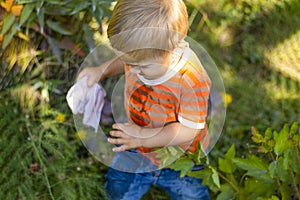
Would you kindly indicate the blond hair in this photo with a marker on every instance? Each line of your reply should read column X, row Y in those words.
column 147, row 28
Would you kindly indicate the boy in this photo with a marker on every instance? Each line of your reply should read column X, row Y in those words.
column 166, row 95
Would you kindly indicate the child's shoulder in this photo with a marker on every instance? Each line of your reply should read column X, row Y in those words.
column 193, row 71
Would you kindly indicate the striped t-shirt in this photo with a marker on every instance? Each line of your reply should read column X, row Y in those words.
column 180, row 95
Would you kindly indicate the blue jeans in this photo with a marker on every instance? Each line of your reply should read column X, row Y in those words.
column 132, row 186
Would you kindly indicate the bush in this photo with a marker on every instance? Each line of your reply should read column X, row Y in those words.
column 269, row 171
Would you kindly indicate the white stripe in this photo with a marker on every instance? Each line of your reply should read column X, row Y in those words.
column 191, row 124
column 172, row 71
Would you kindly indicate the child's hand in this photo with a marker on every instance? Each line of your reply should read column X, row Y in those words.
column 126, row 135
column 93, row 74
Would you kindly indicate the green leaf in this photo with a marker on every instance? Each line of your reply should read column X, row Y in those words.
column 257, row 188
column 27, row 10
column 89, row 37
column 256, row 136
column 39, row 6
column 30, row 20
column 225, row 166
column 209, row 178
column 230, row 153
column 183, row 164
column 94, row 5
column 58, row 27
column 251, row 163
column 25, row 1
column 201, row 174
column 58, row 2
column 98, row 14
column 290, row 160
column 215, row 178
column 283, row 174
column 41, row 15
column 281, row 141
column 272, row 168
column 8, row 22
column 268, row 133
column 227, row 192
column 81, row 6
column 200, row 156
column 55, row 48
column 8, row 37
column 175, row 151
column 276, row 168
column 53, row 9
column 254, row 166
column 274, row 197
column 294, row 128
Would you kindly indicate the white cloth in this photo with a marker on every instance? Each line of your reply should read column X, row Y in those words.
column 88, row 101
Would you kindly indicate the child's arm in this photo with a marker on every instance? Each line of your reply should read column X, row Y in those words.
column 133, row 136
column 95, row 74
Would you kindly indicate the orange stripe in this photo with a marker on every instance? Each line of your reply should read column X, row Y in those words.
column 153, row 118
column 201, row 84
column 162, row 119
column 146, row 120
column 183, row 70
column 196, row 94
column 132, row 110
column 193, row 103
column 198, row 87
column 132, row 82
column 174, row 90
column 192, row 77
column 170, row 89
column 138, row 120
column 151, row 93
column 194, row 112
column 156, row 109
column 150, row 101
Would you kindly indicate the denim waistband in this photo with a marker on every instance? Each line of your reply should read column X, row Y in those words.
column 196, row 167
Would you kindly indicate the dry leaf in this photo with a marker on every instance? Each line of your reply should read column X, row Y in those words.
column 23, row 36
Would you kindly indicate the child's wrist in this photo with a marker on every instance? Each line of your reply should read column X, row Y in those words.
column 101, row 73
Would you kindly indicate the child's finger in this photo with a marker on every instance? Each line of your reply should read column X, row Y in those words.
column 121, row 126
column 90, row 82
column 117, row 126
column 119, row 149
column 117, row 133
column 116, row 140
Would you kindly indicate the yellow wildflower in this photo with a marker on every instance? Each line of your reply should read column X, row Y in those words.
column 81, row 134
column 226, row 98
column 60, row 118
column 9, row 6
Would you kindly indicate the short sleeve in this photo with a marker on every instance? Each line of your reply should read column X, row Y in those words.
column 193, row 104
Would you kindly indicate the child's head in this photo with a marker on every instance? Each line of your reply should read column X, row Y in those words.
column 147, row 29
